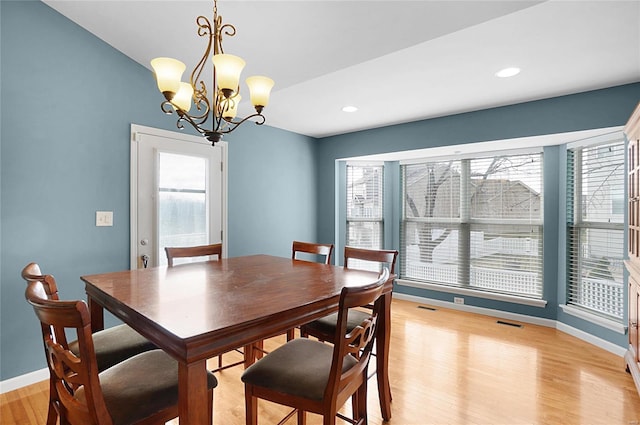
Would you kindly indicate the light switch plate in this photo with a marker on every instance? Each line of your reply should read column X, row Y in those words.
column 104, row 218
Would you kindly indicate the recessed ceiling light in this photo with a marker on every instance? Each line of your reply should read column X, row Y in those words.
column 508, row 72
column 349, row 109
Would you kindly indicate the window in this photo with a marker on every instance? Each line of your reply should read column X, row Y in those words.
column 474, row 223
column 364, row 206
column 595, row 228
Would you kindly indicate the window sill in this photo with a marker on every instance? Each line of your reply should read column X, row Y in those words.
column 595, row 319
column 474, row 293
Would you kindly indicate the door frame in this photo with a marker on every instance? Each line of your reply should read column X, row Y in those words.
column 136, row 130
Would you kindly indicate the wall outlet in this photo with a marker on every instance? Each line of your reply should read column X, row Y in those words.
column 104, row 218
column 458, row 300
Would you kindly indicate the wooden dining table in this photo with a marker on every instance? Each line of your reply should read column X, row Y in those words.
column 197, row 311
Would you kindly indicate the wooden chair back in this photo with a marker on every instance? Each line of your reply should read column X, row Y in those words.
column 68, row 371
column 32, row 272
column 357, row 343
column 383, row 256
column 312, row 248
column 294, row 374
column 192, row 251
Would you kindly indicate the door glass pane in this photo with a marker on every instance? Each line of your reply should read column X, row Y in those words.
column 182, row 202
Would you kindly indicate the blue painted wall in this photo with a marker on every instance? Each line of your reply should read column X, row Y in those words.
column 68, row 100
column 67, row 103
column 589, row 110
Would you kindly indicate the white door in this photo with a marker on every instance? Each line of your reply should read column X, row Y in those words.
column 178, row 193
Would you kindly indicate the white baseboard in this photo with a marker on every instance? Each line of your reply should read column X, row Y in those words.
column 43, row 374
column 591, row 339
column 24, row 380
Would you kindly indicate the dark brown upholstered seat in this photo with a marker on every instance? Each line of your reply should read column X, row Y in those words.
column 111, row 345
column 140, row 390
column 315, row 377
column 200, row 251
column 192, row 251
column 324, row 328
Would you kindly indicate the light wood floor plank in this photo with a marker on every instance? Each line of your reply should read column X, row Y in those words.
column 450, row 367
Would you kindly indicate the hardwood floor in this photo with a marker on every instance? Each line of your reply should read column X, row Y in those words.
column 449, row 367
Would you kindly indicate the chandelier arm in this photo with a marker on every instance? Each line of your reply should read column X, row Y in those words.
column 166, row 107
column 233, row 124
column 199, row 87
column 228, row 29
column 186, row 117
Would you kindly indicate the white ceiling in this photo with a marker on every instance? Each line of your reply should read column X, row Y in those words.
column 397, row 61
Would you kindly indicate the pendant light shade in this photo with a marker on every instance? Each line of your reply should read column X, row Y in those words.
column 228, row 69
column 260, row 89
column 183, row 98
column 168, row 74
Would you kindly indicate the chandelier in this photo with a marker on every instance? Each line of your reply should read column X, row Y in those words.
column 222, row 106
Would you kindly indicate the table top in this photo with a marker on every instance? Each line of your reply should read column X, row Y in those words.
column 199, row 310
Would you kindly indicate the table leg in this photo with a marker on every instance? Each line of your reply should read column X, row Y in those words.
column 97, row 315
column 382, row 356
column 193, row 393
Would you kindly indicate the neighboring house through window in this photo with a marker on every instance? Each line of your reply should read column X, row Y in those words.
column 595, row 228
column 474, row 223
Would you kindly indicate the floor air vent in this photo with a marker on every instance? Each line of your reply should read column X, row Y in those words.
column 515, row 325
column 424, row 307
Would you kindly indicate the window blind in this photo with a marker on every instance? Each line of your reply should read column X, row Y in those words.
column 474, row 223
column 365, row 206
column 595, row 228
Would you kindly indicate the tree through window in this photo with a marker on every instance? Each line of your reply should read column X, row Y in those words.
column 474, row 223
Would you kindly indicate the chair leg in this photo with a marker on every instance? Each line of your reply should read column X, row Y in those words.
column 329, row 418
column 302, row 417
column 259, row 349
column 291, row 334
column 210, row 407
column 251, row 407
column 360, row 410
column 52, row 415
column 355, row 403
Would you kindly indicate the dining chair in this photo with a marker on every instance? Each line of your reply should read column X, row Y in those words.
column 311, row 376
column 324, row 250
column 192, row 251
column 324, row 328
column 312, row 249
column 200, row 251
column 141, row 390
column 111, row 345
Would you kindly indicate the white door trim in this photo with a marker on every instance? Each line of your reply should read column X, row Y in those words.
column 133, row 230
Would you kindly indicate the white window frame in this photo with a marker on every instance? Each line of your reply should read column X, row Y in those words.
column 575, row 309
column 472, row 291
column 376, row 219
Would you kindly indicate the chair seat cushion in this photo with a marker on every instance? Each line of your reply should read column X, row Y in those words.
column 115, row 345
column 140, row 386
column 300, row 367
column 327, row 325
